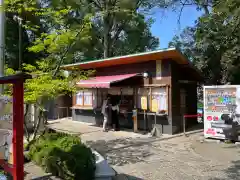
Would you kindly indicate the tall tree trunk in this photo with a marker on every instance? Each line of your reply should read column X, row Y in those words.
column 37, row 126
column 25, row 123
column 107, row 28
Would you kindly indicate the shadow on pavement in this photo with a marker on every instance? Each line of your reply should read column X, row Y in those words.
column 232, row 172
column 121, row 151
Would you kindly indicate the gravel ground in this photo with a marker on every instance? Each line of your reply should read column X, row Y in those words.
column 181, row 158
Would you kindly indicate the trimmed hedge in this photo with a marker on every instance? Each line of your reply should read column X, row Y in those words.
column 64, row 156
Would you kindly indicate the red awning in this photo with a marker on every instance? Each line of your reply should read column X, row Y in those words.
column 103, row 81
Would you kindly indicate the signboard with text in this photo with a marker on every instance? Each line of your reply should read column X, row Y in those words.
column 158, row 69
column 221, row 109
column 6, row 129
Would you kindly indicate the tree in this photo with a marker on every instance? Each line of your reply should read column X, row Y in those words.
column 30, row 12
column 42, row 88
column 186, row 43
column 85, row 21
column 114, row 24
column 217, row 51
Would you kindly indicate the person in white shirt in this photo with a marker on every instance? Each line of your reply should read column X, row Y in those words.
column 105, row 112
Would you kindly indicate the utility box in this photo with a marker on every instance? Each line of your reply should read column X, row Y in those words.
column 222, row 112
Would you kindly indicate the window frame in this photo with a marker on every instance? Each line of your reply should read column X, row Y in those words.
column 150, row 98
column 83, row 102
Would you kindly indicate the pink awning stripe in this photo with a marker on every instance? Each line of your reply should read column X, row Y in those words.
column 103, row 81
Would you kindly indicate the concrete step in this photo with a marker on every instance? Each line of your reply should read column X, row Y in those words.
column 103, row 170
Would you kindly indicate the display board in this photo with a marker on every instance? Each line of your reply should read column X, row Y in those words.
column 221, row 109
column 144, row 102
column 6, row 129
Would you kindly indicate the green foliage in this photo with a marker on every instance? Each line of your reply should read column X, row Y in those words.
column 43, row 86
column 64, row 156
column 70, row 31
column 213, row 44
column 114, row 24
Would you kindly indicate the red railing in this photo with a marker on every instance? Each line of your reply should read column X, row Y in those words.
column 189, row 116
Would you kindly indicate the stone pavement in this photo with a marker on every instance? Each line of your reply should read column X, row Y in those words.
column 89, row 132
column 180, row 158
column 139, row 157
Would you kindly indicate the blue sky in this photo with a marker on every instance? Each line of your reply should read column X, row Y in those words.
column 166, row 23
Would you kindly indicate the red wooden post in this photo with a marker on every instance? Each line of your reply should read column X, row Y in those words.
column 17, row 169
column 18, row 157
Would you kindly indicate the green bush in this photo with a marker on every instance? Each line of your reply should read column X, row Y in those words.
column 64, row 156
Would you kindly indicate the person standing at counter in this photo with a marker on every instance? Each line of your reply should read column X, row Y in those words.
column 105, row 112
column 115, row 113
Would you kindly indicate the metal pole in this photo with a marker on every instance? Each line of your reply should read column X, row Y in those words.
column 184, row 126
column 67, row 112
column 155, row 119
column 19, row 21
column 144, row 118
column 20, row 44
column 2, row 41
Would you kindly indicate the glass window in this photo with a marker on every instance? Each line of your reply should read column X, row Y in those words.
column 88, row 98
column 153, row 99
column 114, row 91
column 159, row 100
column 79, row 98
column 127, row 91
column 84, row 98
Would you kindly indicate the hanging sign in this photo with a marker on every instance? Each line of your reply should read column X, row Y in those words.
column 144, row 102
column 158, row 69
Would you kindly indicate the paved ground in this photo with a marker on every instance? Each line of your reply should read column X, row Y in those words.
column 181, row 158
column 139, row 157
column 89, row 132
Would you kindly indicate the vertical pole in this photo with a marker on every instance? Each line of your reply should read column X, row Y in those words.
column 58, row 112
column 67, row 113
column 20, row 44
column 2, row 40
column 18, row 158
column 144, row 118
column 184, row 126
column 135, row 123
column 155, row 119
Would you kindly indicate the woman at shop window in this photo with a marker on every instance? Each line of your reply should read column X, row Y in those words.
column 115, row 112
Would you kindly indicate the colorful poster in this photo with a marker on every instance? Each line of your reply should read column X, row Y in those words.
column 221, row 111
column 144, row 102
column 158, row 69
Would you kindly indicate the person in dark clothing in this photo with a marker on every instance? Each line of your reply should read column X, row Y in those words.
column 115, row 112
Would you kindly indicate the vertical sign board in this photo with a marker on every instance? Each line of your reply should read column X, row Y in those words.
column 6, row 129
column 220, row 101
column 144, row 102
column 158, row 69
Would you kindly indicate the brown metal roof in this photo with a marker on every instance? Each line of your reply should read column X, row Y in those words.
column 163, row 54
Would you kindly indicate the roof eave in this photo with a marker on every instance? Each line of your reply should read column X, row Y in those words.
column 124, row 57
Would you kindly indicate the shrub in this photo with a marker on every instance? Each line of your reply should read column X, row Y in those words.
column 64, row 156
